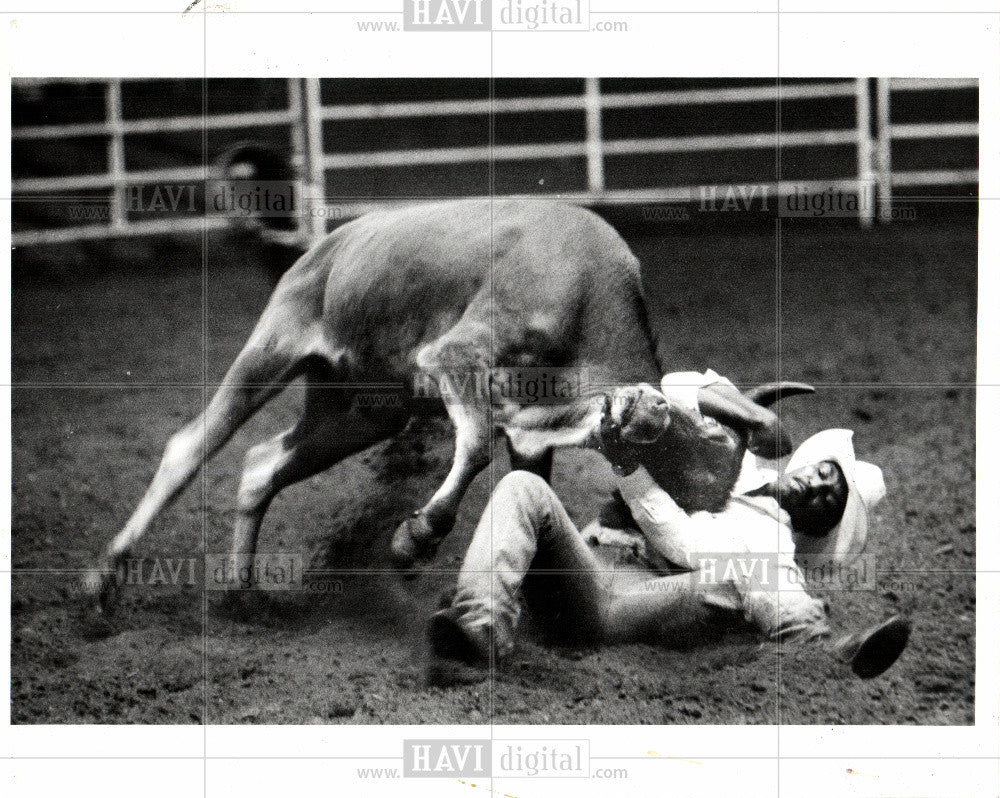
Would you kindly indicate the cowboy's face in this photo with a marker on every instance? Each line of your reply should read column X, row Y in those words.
column 814, row 496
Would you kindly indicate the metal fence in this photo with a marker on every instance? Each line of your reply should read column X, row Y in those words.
column 872, row 135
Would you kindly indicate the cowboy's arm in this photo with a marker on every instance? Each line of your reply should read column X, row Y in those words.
column 715, row 396
column 723, row 402
column 668, row 530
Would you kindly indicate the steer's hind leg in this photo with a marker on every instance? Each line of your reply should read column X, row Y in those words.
column 259, row 372
column 327, row 433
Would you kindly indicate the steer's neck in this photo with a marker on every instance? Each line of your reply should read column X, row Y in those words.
column 533, row 430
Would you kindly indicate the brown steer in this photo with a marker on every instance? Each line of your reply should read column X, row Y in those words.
column 405, row 298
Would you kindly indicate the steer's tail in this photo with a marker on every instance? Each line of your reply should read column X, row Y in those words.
column 260, row 371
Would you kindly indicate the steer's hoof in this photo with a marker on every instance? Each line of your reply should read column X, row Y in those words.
column 95, row 624
column 101, row 588
column 99, row 592
column 413, row 542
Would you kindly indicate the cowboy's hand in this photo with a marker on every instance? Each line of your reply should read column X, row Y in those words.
column 620, row 453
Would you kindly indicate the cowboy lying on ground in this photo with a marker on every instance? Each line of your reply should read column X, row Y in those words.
column 741, row 565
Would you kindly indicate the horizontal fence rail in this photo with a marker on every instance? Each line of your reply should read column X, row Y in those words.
column 889, row 132
column 872, row 135
column 640, row 146
column 177, row 124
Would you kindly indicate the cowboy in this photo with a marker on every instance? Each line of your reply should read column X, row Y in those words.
column 818, row 510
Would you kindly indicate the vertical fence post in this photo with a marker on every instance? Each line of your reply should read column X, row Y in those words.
column 313, row 170
column 866, row 187
column 116, row 152
column 595, row 142
column 883, row 148
column 297, row 124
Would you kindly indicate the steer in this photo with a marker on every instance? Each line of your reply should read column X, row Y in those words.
column 403, row 298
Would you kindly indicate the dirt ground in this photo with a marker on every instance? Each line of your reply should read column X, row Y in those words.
column 109, row 354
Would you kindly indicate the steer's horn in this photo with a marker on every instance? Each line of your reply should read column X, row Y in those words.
column 766, row 395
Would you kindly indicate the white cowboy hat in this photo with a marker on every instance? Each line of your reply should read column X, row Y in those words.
column 865, row 489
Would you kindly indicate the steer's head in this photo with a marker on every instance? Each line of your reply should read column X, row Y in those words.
column 641, row 413
column 695, row 460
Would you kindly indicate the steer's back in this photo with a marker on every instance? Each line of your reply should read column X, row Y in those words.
column 555, row 282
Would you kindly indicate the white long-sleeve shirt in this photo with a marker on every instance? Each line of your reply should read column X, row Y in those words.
column 746, row 524
column 748, row 545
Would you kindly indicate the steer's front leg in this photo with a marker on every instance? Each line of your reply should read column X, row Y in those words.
column 416, row 540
